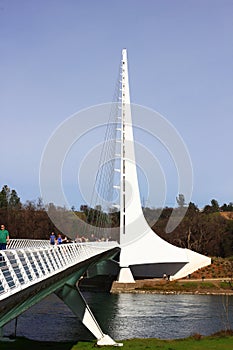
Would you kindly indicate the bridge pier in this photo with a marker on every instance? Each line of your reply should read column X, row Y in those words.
column 4, row 339
column 125, row 275
column 74, row 299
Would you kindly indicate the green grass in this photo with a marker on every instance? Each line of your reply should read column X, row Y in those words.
column 226, row 285
column 193, row 343
column 181, row 286
column 26, row 344
column 206, row 285
column 196, row 342
column 190, row 343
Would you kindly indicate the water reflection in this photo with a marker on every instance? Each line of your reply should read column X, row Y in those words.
column 127, row 316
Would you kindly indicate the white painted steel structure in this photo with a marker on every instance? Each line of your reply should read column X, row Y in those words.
column 35, row 261
column 23, row 267
column 140, row 246
column 28, row 243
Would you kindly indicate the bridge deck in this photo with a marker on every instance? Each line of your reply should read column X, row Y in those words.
column 29, row 261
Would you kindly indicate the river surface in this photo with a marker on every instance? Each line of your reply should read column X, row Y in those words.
column 124, row 316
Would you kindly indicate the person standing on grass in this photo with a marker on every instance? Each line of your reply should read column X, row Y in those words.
column 4, row 238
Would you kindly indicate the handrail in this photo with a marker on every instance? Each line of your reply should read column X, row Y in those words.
column 23, row 267
column 27, row 243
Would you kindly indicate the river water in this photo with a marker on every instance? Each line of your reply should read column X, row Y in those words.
column 124, row 316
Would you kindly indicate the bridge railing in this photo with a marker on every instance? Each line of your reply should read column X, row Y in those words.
column 22, row 267
column 28, row 243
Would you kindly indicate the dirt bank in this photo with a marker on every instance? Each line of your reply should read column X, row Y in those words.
column 218, row 286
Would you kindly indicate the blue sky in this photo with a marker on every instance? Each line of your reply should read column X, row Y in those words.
column 58, row 57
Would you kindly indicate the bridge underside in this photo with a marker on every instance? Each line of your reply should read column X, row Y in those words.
column 101, row 276
column 155, row 270
column 64, row 285
column 143, row 261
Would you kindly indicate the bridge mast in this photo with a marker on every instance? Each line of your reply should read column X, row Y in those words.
column 143, row 252
column 130, row 204
column 125, row 99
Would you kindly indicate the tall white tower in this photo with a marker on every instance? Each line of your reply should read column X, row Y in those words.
column 143, row 252
column 130, row 204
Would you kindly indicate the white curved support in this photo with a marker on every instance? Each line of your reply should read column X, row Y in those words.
column 106, row 340
column 74, row 299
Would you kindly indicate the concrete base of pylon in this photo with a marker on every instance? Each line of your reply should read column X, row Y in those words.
column 125, row 275
column 107, row 341
column 5, row 339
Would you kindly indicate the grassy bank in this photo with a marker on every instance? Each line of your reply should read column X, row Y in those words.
column 216, row 278
column 212, row 286
column 26, row 344
column 192, row 343
column 222, row 341
column 191, row 286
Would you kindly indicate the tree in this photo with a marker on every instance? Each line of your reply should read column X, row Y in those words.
column 180, row 200
column 192, row 209
column 230, row 206
column 4, row 197
column 227, row 207
column 224, row 207
column 40, row 204
column 14, row 200
column 215, row 205
column 98, row 207
column 213, row 208
column 84, row 207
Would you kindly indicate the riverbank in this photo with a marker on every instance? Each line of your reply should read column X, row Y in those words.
column 195, row 342
column 27, row 344
column 217, row 286
column 214, row 279
column 221, row 341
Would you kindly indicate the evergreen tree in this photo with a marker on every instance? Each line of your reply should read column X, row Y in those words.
column 215, row 205
column 180, row 200
column 4, row 197
column 14, row 200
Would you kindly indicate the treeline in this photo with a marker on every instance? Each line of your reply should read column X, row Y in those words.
column 208, row 231
column 31, row 220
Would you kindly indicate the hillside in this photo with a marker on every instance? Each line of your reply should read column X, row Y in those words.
column 227, row 215
column 219, row 268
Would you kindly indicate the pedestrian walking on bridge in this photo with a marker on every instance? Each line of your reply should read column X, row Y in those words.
column 4, row 238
